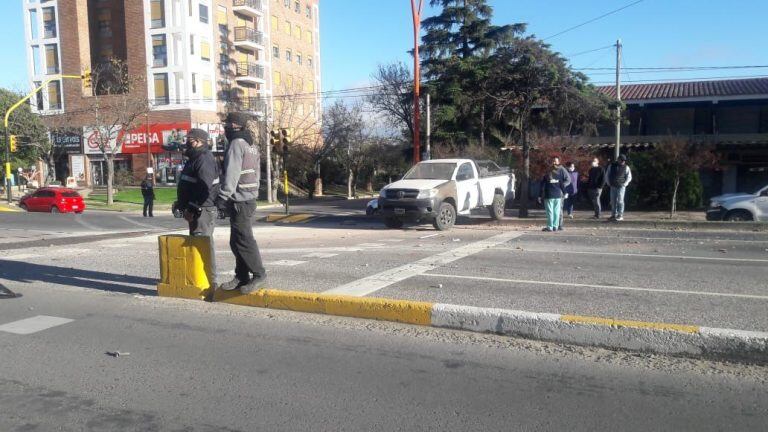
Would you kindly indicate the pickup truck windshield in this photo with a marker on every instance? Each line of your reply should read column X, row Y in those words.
column 431, row 171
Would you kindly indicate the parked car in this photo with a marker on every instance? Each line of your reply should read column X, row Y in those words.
column 53, row 200
column 438, row 190
column 740, row 206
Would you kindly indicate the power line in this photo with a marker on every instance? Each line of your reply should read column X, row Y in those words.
column 589, row 51
column 593, row 19
column 681, row 68
column 685, row 79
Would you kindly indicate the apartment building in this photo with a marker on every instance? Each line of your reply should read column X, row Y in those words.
column 198, row 59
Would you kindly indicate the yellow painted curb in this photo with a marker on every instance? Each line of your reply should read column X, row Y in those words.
column 577, row 319
column 186, row 266
column 8, row 209
column 297, row 218
column 403, row 311
column 274, row 217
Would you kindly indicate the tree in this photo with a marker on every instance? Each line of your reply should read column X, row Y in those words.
column 679, row 158
column 394, row 96
column 33, row 138
column 343, row 131
column 119, row 102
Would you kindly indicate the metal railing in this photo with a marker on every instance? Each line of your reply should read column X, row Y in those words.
column 253, row 4
column 251, row 103
column 245, row 69
column 247, row 34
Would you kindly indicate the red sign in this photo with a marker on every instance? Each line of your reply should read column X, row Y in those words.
column 154, row 135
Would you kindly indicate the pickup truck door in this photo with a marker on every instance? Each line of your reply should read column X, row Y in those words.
column 467, row 188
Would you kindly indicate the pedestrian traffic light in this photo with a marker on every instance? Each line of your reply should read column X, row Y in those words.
column 13, row 142
column 86, row 78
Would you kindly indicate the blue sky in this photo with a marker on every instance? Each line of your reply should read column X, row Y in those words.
column 357, row 35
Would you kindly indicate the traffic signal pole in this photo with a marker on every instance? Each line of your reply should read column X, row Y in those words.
column 9, row 194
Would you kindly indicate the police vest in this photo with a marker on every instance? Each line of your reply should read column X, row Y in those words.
column 249, row 172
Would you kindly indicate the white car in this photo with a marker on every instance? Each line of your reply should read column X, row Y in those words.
column 438, row 190
column 740, row 206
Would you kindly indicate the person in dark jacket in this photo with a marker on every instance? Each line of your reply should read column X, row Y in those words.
column 571, row 190
column 198, row 185
column 595, row 184
column 148, row 192
column 553, row 190
column 237, row 198
column 618, row 176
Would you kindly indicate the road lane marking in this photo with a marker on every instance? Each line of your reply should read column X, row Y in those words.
column 19, row 257
column 606, row 287
column 371, row 245
column 301, row 250
column 33, row 325
column 687, row 257
column 319, row 255
column 88, row 225
column 617, row 237
column 288, row 263
column 373, row 283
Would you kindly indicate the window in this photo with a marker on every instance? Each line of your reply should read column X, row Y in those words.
column 298, row 58
column 104, row 21
column 297, row 31
column 158, row 13
column 309, row 11
column 52, row 59
column 309, row 61
column 287, row 27
column 275, row 78
column 224, row 57
column 33, row 24
column 205, row 50
column 289, row 82
column 161, row 89
column 38, row 67
column 194, row 83
column 297, row 7
column 39, row 97
column 287, row 3
column 54, row 95
column 221, row 16
column 275, row 52
column 203, row 13
column 192, row 44
column 309, row 36
column 288, row 55
column 275, row 23
column 49, row 23
column 310, row 86
column 159, row 51
column 465, row 172
column 207, row 89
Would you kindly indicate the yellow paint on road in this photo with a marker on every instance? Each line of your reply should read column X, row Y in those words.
column 4, row 208
column 292, row 218
column 577, row 319
column 410, row 312
column 274, row 217
column 186, row 267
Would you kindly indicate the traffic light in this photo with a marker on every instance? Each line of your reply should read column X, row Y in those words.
column 86, row 78
column 13, row 141
column 286, row 136
column 275, row 141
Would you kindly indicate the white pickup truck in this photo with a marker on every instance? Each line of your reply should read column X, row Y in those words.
column 439, row 190
column 740, row 207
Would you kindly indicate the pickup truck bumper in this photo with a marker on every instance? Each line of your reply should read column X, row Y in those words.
column 716, row 214
column 408, row 209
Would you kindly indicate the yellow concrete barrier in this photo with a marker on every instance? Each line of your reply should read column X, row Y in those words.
column 403, row 311
column 187, row 267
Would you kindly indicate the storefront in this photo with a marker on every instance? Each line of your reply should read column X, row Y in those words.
column 66, row 143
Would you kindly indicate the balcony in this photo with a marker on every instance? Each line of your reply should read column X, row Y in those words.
column 252, row 104
column 249, row 72
column 248, row 7
column 247, row 37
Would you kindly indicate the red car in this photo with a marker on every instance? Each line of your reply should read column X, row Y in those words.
column 54, row 200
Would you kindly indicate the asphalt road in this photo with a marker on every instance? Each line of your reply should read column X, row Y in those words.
column 194, row 366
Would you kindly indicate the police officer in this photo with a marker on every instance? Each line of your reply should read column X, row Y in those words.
column 198, row 185
column 237, row 197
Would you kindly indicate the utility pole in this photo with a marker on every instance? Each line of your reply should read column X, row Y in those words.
column 617, row 150
column 269, row 172
column 429, row 131
column 416, row 12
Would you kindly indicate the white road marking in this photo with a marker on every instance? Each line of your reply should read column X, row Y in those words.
column 289, row 263
column 371, row 245
column 19, row 257
column 687, row 239
column 33, row 325
column 319, row 255
column 686, row 257
column 90, row 226
column 428, row 236
column 69, row 251
column 370, row 284
column 606, row 287
column 302, row 250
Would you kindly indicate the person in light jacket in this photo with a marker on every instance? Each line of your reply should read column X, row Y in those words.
column 553, row 190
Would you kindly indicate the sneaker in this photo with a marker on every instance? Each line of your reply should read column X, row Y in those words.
column 560, row 228
column 620, row 218
column 570, row 216
column 253, row 285
column 547, row 229
column 234, row 284
column 596, row 217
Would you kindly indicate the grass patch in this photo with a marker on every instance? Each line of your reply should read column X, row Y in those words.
column 133, row 196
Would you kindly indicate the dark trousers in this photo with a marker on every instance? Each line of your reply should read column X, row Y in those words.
column 148, row 204
column 568, row 204
column 594, row 197
column 204, row 224
column 242, row 242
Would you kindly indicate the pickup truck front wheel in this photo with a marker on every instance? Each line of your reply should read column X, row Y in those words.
column 393, row 222
column 446, row 217
column 496, row 209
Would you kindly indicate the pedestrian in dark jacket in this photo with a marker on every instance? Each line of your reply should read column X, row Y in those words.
column 595, row 186
column 571, row 190
column 553, row 186
column 199, row 185
column 148, row 192
column 618, row 176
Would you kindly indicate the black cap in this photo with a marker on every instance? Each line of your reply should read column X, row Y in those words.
column 238, row 118
column 623, row 158
column 198, row 134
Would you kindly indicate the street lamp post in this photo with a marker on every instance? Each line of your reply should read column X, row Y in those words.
column 416, row 12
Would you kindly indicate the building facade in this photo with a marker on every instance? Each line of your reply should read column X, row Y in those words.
column 198, row 59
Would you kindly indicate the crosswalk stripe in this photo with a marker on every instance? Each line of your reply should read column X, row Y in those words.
column 33, row 325
column 288, row 263
column 319, row 255
column 19, row 257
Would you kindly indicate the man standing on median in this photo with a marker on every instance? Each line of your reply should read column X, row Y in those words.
column 618, row 177
column 237, row 198
column 553, row 186
column 148, row 193
column 198, row 185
